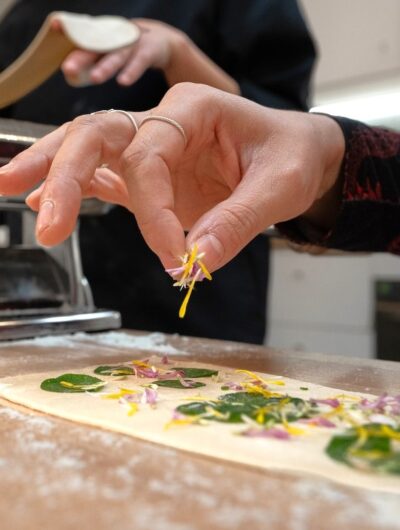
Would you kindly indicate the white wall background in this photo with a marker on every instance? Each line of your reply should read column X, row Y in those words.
column 358, row 39
column 326, row 303
column 4, row 5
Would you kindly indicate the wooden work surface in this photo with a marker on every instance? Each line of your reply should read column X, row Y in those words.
column 60, row 475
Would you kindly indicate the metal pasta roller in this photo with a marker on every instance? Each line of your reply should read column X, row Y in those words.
column 42, row 291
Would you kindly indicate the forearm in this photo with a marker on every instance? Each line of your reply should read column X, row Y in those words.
column 189, row 63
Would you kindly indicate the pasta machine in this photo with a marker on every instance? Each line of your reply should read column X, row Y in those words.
column 42, row 291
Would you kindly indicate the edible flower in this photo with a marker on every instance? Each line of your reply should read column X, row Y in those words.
column 331, row 402
column 318, row 421
column 179, row 420
column 191, row 271
column 150, row 396
column 259, row 389
column 258, row 380
column 382, row 404
column 172, row 374
column 123, row 392
column 273, row 432
column 131, row 399
column 143, row 369
column 231, row 385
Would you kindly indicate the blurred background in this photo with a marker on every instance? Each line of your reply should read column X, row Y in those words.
column 343, row 304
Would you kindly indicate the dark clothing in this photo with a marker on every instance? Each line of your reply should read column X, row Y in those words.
column 369, row 219
column 266, row 47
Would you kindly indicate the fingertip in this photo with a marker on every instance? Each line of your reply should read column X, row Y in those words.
column 123, row 80
column 96, row 76
column 51, row 227
column 169, row 260
column 56, row 25
column 48, row 238
column 213, row 249
column 69, row 67
column 58, row 212
column 33, row 200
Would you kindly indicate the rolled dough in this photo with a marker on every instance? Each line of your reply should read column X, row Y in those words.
column 303, row 455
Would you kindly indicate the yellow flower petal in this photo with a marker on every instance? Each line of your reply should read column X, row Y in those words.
column 182, row 310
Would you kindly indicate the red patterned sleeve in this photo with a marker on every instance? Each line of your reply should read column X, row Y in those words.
column 369, row 219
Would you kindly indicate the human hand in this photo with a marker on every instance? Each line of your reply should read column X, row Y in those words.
column 159, row 46
column 244, row 168
column 153, row 50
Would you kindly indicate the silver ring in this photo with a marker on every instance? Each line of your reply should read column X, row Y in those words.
column 124, row 112
column 167, row 120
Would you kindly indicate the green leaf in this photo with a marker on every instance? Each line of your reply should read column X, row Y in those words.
column 376, row 453
column 193, row 373
column 195, row 408
column 72, row 383
column 114, row 370
column 248, row 398
column 230, row 408
column 175, row 383
column 340, row 444
column 389, row 464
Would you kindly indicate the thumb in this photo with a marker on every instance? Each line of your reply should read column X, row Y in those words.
column 226, row 229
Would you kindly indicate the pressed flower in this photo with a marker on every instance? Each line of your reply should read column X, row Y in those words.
column 331, row 402
column 179, row 422
column 258, row 380
column 231, row 385
column 273, row 432
column 150, row 396
column 318, row 421
column 122, row 393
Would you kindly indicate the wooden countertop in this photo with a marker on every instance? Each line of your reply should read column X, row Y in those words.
column 60, row 475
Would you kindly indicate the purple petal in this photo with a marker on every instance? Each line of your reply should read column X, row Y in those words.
column 149, row 373
column 231, row 385
column 174, row 374
column 175, row 273
column 176, row 415
column 131, row 398
column 333, row 402
column 278, row 434
column 188, row 383
column 318, row 421
column 151, row 396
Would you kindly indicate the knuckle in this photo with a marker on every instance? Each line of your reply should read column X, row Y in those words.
column 116, row 61
column 37, row 156
column 132, row 159
column 238, row 223
column 192, row 91
column 84, row 122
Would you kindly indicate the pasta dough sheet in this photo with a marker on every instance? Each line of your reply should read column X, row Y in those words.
column 303, row 454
